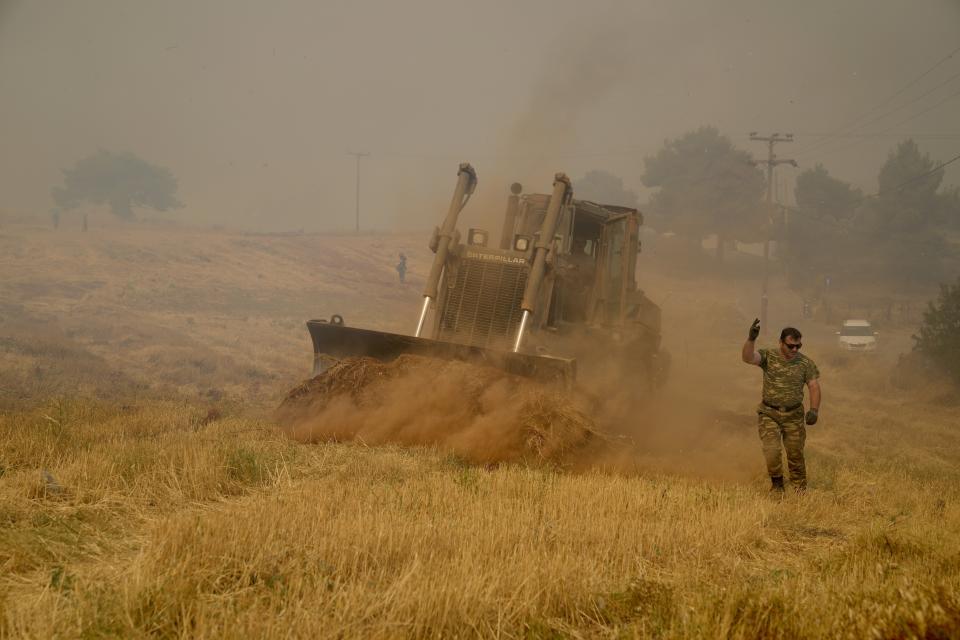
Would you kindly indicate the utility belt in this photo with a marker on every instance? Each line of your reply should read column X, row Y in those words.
column 783, row 409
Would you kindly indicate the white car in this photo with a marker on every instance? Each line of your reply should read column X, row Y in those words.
column 857, row 335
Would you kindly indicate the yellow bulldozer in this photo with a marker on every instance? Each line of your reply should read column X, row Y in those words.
column 558, row 292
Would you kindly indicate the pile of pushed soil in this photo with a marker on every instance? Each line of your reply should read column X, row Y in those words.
column 478, row 412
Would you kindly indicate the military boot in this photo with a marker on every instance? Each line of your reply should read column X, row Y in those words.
column 776, row 485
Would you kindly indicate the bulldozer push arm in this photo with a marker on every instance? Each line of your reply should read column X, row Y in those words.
column 561, row 192
column 466, row 183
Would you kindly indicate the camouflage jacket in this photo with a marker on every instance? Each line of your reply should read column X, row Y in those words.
column 783, row 379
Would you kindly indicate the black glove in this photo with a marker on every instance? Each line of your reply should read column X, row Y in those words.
column 812, row 416
column 754, row 330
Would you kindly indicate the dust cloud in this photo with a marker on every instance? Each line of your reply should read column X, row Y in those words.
column 487, row 416
column 475, row 411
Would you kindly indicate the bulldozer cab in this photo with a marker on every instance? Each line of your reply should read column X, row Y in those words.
column 595, row 251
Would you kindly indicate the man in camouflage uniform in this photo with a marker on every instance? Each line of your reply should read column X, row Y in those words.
column 781, row 417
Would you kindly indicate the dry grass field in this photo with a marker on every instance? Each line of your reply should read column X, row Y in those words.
column 146, row 490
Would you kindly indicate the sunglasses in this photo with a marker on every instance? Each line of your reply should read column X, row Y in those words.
column 793, row 347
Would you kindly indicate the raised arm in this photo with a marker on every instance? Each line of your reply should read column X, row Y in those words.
column 749, row 353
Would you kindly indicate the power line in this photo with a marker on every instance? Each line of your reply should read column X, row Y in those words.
column 891, row 97
column 920, row 77
column 894, row 189
column 917, row 99
column 904, row 121
column 913, row 179
column 846, row 225
column 824, row 143
column 917, row 115
column 881, row 134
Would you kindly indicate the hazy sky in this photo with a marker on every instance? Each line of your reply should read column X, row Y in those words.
column 254, row 105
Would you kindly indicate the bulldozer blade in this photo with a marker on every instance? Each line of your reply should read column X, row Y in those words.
column 332, row 341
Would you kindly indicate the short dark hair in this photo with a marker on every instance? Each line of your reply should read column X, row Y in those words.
column 790, row 332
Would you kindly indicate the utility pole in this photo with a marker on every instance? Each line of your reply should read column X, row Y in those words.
column 771, row 162
column 358, row 155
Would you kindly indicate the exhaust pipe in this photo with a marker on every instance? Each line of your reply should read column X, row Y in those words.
column 510, row 216
column 466, row 183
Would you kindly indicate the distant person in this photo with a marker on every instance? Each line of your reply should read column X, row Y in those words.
column 781, row 417
column 402, row 268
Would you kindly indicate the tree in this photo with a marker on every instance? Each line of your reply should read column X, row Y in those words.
column 912, row 257
column 821, row 195
column 939, row 338
column 907, row 215
column 706, row 185
column 897, row 235
column 121, row 180
column 816, row 237
column 908, row 199
column 603, row 187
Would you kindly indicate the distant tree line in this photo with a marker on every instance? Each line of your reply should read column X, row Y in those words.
column 705, row 185
column 901, row 233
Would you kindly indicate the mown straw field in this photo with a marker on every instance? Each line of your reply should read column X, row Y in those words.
column 136, row 502
column 165, row 521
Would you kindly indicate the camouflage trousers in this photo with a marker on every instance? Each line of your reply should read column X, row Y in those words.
column 788, row 429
